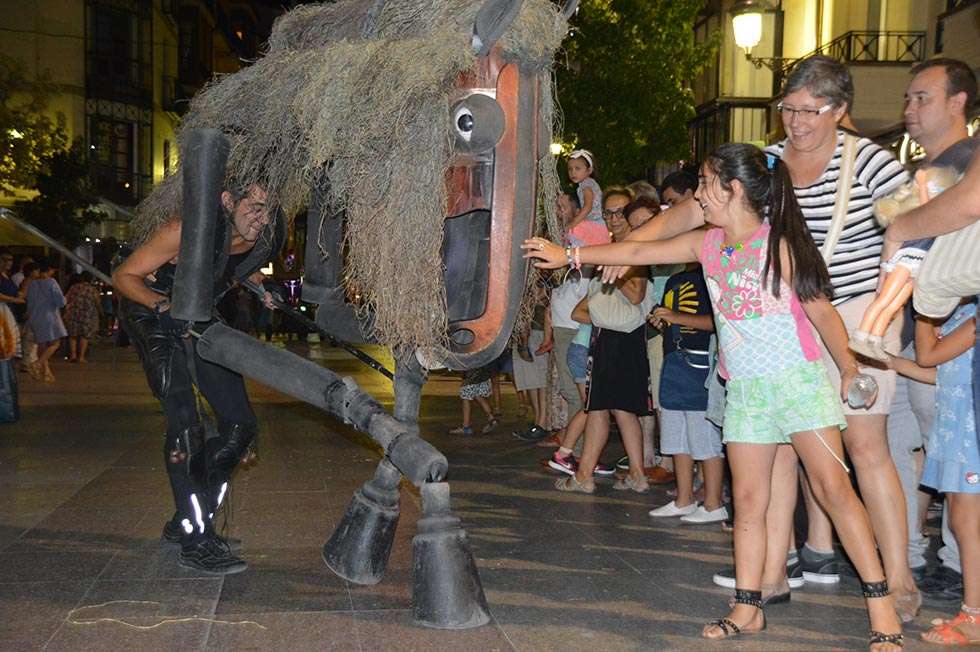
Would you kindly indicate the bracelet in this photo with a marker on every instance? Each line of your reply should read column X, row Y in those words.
column 578, row 259
column 568, row 256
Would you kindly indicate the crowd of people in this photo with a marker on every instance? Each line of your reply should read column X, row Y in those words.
column 738, row 310
column 38, row 318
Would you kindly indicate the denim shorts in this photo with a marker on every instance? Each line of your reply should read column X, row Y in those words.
column 578, row 362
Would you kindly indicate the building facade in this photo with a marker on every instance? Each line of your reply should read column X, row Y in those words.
column 123, row 71
column 880, row 40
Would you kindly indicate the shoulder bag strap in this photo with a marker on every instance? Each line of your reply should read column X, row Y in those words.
column 844, row 182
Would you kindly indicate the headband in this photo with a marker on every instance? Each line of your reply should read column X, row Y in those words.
column 583, row 153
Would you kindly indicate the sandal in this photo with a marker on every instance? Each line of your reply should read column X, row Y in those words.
column 627, row 483
column 880, row 590
column 779, row 594
column 728, row 626
column 571, row 484
column 947, row 630
column 491, row 426
column 462, row 430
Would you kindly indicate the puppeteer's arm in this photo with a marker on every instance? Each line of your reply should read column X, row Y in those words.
column 129, row 277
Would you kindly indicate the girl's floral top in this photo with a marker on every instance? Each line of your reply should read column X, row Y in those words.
column 757, row 333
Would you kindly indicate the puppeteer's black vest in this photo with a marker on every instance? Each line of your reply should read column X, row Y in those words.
column 227, row 268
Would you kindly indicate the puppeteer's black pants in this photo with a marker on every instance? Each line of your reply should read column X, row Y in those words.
column 223, row 389
column 172, row 368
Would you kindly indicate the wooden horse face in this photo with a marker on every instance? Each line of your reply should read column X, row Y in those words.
column 492, row 197
column 500, row 136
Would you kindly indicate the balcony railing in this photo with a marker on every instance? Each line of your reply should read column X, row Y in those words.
column 866, row 47
column 878, row 47
column 729, row 119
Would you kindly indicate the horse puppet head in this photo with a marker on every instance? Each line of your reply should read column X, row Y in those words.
column 418, row 133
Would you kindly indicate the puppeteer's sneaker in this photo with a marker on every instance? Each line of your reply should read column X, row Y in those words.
column 211, row 555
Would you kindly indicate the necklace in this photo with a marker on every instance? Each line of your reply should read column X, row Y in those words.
column 728, row 250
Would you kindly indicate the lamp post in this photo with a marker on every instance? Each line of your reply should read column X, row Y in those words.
column 747, row 25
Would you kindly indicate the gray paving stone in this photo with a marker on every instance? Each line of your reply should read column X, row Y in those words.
column 84, row 496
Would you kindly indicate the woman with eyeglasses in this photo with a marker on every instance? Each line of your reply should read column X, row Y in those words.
column 618, row 379
column 817, row 96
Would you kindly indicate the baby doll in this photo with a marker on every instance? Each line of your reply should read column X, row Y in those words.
column 902, row 268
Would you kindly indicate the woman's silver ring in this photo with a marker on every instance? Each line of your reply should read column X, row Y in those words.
column 541, row 247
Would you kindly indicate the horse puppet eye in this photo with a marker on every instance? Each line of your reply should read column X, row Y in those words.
column 464, row 123
column 478, row 123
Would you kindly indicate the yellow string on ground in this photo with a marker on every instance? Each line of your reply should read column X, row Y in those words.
column 94, row 621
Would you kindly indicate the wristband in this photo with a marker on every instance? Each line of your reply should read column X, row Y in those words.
column 578, row 259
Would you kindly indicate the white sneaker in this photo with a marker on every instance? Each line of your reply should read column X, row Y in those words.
column 671, row 509
column 701, row 515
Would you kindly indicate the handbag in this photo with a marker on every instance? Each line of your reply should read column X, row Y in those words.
column 949, row 272
column 610, row 309
column 683, row 378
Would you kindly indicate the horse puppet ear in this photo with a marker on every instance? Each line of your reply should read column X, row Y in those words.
column 492, row 20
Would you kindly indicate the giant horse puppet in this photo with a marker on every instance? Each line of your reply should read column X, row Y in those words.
column 417, row 132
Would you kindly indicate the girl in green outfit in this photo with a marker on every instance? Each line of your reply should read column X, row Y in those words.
column 768, row 284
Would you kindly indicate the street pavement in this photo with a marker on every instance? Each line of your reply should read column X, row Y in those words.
column 83, row 498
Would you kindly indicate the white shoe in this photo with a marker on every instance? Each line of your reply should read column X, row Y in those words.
column 701, row 515
column 671, row 509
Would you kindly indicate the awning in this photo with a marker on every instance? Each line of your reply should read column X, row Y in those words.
column 12, row 235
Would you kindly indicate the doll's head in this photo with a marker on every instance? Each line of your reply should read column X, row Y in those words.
column 926, row 184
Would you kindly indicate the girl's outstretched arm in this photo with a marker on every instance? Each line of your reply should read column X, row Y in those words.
column 685, row 216
column 932, row 350
column 682, row 249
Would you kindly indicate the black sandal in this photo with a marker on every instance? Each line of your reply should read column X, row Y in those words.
column 880, row 590
column 728, row 626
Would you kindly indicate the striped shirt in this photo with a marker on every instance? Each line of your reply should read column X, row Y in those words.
column 854, row 263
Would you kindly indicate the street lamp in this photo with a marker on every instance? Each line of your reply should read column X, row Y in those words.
column 747, row 24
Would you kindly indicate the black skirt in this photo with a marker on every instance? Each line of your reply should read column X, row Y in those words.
column 619, row 372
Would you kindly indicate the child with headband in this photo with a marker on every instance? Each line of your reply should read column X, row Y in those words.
column 587, row 226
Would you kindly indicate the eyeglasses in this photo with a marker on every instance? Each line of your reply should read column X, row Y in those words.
column 808, row 114
column 611, row 214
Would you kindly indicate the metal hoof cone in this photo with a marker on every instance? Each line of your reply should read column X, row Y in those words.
column 446, row 588
column 360, row 547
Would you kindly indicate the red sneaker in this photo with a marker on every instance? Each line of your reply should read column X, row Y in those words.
column 563, row 463
column 604, row 469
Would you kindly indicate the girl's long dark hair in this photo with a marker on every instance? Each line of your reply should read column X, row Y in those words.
column 769, row 193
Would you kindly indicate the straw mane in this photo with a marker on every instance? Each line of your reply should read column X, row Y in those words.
column 353, row 96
